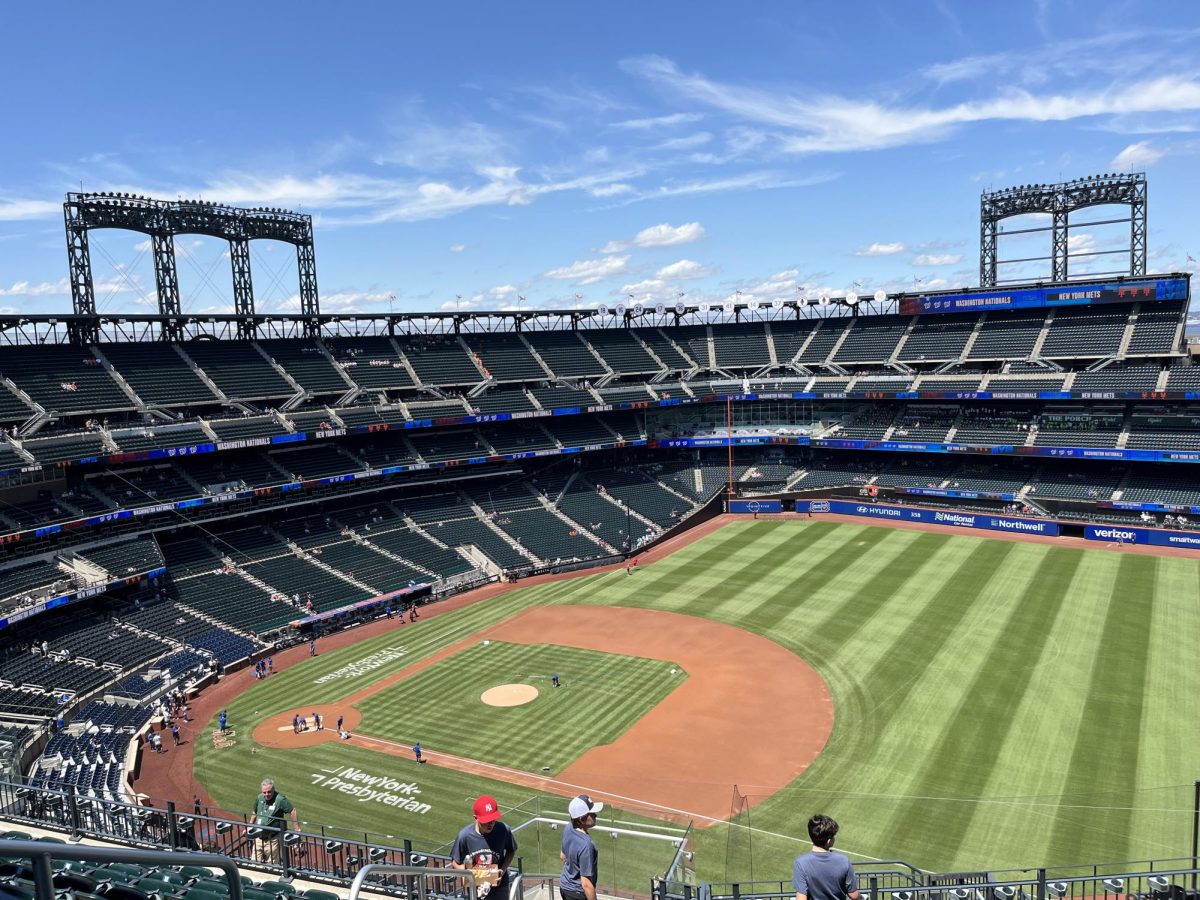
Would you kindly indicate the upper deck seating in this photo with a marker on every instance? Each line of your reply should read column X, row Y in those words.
column 565, row 354
column 741, row 346
column 63, row 378
column 498, row 400
column 439, row 359
column 157, row 373
column 562, row 397
column 67, row 447
column 439, row 446
column 872, row 338
column 1086, row 331
column 1117, row 378
column 127, row 557
column 665, row 350
column 160, row 437
column 307, row 365
column 238, row 369
column 1154, row 331
column 247, row 427
column 1008, row 335
column 505, row 357
column 694, row 341
column 822, row 343
column 372, row 363
column 937, row 338
column 622, row 351
column 12, row 409
column 547, row 536
column 789, row 336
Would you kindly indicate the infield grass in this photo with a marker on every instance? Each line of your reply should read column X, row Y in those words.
column 601, row 696
column 998, row 704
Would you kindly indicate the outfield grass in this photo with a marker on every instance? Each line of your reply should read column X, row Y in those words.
column 999, row 704
column 601, row 696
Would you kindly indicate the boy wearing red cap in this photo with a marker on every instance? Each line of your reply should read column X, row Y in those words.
column 485, row 844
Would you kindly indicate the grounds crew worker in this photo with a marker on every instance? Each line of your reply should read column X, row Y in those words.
column 578, row 879
column 270, row 808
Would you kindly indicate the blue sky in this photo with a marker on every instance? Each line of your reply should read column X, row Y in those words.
column 574, row 153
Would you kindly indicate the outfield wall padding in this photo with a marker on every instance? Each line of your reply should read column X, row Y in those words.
column 933, row 517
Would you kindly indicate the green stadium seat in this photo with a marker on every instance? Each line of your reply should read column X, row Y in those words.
column 319, row 895
column 278, row 887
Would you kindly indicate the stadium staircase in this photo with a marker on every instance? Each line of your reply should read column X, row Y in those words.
column 1127, row 336
column 304, row 554
column 370, row 545
column 970, row 344
column 1036, row 351
column 201, row 374
column 541, row 361
column 559, row 514
column 908, row 330
column 124, row 385
column 500, row 532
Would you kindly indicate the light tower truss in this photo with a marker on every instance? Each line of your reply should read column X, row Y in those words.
column 1059, row 201
column 163, row 220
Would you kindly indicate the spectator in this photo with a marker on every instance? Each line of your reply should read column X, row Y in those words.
column 487, row 843
column 823, row 873
column 270, row 811
column 579, row 855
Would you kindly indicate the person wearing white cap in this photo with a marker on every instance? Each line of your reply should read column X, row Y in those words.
column 579, row 854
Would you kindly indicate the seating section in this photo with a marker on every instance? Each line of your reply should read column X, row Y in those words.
column 993, row 425
column 307, row 364
column 1008, row 335
column 642, row 494
column 1174, row 430
column 499, row 400
column 12, row 409
column 1155, row 329
column 440, row 446
column 562, row 397
column 124, row 558
column 73, row 446
column 437, row 409
column 869, row 424
column 665, row 350
column 1086, row 331
column 1024, row 385
column 505, row 357
column 920, row 422
column 160, row 437
column 741, row 346
column 950, row 385
column 694, row 341
column 238, row 369
column 158, row 374
column 518, row 438
column 1078, row 429
column 1071, row 484
column 547, row 536
column 1184, row 377
column 565, row 354
column 439, row 359
column 248, row 427
column 372, row 363
column 872, row 339
column 472, row 531
column 33, row 580
column 937, row 338
column 1175, row 489
column 789, row 337
column 623, row 352
column 824, row 340
column 316, row 462
column 63, row 378
column 1117, row 378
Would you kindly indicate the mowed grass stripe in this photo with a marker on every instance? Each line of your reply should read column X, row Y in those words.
column 967, row 750
column 813, row 577
column 603, row 694
column 696, row 562
column 1105, row 754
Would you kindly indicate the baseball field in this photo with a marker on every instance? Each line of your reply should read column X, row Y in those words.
column 956, row 702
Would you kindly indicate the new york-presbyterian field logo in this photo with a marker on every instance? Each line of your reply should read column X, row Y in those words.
column 363, row 666
column 367, row 788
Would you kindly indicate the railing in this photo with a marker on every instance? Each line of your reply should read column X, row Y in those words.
column 1157, row 880
column 40, row 854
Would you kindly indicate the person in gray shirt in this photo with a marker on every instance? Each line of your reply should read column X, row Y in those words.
column 579, row 854
column 822, row 873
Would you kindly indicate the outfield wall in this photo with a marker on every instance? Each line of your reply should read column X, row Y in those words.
column 931, row 516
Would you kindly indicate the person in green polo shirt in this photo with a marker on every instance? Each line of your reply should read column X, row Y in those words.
column 270, row 810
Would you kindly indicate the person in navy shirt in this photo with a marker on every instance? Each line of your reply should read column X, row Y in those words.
column 484, row 843
column 579, row 854
column 823, row 873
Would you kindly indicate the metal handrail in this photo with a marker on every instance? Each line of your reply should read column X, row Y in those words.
column 41, row 852
column 422, row 872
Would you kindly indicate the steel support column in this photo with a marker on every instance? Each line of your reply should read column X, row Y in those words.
column 306, row 263
column 79, row 260
column 243, row 285
column 1137, row 229
column 1059, row 244
column 166, row 280
column 987, row 250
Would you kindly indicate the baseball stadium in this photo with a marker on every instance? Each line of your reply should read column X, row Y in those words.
column 922, row 561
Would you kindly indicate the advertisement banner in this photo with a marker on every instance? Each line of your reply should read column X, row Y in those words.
column 745, row 507
column 983, row 521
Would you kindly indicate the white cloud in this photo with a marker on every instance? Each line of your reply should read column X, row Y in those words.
column 502, row 291
column 40, row 289
column 689, row 142
column 830, row 123
column 659, row 236
column 457, row 248
column 684, row 269
column 589, row 271
column 750, row 181
column 611, row 190
column 877, row 249
column 658, row 121
column 12, row 210
column 460, row 303
column 1137, row 156
column 339, row 301
column 641, row 288
column 937, row 259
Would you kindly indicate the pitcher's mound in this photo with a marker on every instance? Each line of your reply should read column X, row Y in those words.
column 509, row 695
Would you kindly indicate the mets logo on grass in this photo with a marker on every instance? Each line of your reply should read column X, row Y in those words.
column 363, row 666
column 368, row 788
